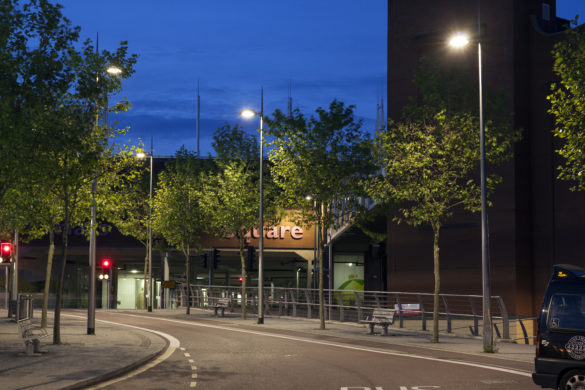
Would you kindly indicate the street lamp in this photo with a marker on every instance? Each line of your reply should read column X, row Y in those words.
column 460, row 40
column 142, row 155
column 248, row 114
column 114, row 71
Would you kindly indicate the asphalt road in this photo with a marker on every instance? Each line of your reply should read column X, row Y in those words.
column 220, row 355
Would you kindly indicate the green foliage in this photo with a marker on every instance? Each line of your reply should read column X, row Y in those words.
column 430, row 159
column 230, row 193
column 178, row 215
column 231, row 143
column 320, row 157
column 567, row 101
column 123, row 194
column 52, row 141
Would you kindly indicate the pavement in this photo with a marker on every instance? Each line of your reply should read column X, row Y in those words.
column 84, row 360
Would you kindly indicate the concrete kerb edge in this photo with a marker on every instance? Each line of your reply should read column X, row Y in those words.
column 405, row 332
column 120, row 371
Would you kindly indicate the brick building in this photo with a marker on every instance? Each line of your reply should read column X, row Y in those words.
column 535, row 221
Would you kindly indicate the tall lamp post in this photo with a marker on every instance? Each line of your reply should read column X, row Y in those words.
column 461, row 40
column 248, row 113
column 149, row 283
column 114, row 71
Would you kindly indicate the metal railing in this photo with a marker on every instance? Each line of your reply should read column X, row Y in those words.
column 415, row 310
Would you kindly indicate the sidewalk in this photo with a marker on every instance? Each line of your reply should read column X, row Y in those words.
column 79, row 361
column 83, row 360
column 455, row 342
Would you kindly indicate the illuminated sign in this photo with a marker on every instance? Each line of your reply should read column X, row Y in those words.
column 279, row 233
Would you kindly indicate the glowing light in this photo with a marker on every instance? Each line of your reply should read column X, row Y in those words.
column 247, row 113
column 114, row 70
column 459, row 40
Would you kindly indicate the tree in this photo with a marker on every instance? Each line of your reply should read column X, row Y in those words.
column 52, row 95
column 178, row 215
column 321, row 157
column 567, row 101
column 430, row 159
column 230, row 192
column 126, row 204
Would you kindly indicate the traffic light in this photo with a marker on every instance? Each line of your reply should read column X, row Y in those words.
column 215, row 257
column 6, row 252
column 106, row 269
column 240, row 279
column 250, row 258
column 204, row 260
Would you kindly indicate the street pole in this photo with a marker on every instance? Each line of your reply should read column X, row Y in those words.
column 91, row 303
column 261, row 226
column 488, row 337
column 15, row 273
column 92, row 244
column 150, row 231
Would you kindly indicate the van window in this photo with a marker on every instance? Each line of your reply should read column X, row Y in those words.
column 567, row 311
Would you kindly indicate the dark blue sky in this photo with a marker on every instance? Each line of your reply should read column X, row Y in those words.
column 326, row 49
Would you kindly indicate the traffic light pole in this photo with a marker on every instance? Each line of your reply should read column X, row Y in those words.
column 150, row 294
column 91, row 303
column 210, row 267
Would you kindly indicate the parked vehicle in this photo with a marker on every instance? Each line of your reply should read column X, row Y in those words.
column 560, row 342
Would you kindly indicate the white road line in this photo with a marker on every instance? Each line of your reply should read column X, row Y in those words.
column 193, row 384
column 173, row 342
column 173, row 345
column 187, row 354
column 140, row 370
column 345, row 346
column 193, row 368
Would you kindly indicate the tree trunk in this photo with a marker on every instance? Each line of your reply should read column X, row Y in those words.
column 244, row 277
column 321, row 236
column 436, row 229
column 188, row 279
column 57, row 319
column 48, row 278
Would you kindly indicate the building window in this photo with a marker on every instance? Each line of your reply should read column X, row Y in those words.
column 545, row 11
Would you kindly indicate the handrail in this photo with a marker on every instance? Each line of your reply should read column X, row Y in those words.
column 355, row 305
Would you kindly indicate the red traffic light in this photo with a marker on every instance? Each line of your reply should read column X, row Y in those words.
column 6, row 250
column 106, row 263
column 240, row 279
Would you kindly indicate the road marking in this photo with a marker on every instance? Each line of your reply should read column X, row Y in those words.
column 193, row 368
column 345, row 346
column 139, row 370
column 182, row 349
column 173, row 342
column 187, row 354
column 191, row 361
column 193, row 376
column 193, row 384
column 173, row 345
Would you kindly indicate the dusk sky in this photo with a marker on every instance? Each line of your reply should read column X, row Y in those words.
column 324, row 49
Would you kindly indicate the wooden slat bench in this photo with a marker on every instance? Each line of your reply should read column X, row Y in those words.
column 31, row 335
column 382, row 317
column 221, row 304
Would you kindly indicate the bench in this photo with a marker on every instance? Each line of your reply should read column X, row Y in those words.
column 221, row 304
column 31, row 335
column 382, row 317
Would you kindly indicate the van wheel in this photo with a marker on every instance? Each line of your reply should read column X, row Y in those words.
column 573, row 380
